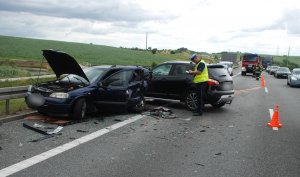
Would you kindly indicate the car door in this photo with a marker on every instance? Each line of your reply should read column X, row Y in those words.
column 135, row 86
column 114, row 89
column 179, row 80
column 158, row 85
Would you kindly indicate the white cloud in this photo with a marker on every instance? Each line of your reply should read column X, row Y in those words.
column 200, row 25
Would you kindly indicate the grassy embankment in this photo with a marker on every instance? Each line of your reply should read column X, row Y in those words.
column 14, row 50
column 291, row 61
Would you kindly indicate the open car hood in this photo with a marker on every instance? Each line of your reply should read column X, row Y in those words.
column 62, row 63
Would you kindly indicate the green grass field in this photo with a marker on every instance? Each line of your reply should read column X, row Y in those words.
column 16, row 105
column 30, row 49
column 293, row 59
column 10, row 71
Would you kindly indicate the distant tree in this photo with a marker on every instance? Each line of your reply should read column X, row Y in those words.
column 154, row 50
column 153, row 64
column 172, row 52
column 149, row 48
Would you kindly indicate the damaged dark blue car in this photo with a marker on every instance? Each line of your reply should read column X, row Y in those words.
column 77, row 91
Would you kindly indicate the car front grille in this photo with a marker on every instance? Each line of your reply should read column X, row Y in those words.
column 42, row 91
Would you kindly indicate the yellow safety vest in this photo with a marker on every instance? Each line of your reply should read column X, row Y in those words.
column 203, row 77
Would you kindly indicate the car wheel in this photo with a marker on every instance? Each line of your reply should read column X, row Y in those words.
column 140, row 106
column 79, row 109
column 217, row 105
column 287, row 83
column 243, row 74
column 191, row 100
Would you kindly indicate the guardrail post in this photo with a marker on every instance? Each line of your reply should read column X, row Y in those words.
column 7, row 106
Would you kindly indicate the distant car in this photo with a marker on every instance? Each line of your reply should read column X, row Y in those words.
column 282, row 72
column 268, row 69
column 273, row 69
column 169, row 80
column 294, row 78
column 77, row 91
column 229, row 66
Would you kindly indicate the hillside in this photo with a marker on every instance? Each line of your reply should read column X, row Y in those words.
column 30, row 49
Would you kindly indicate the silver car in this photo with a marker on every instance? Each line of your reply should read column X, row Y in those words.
column 294, row 78
column 228, row 66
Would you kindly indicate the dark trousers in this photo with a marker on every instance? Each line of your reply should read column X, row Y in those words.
column 201, row 94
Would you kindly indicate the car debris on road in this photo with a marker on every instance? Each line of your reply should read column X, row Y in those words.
column 161, row 112
column 42, row 129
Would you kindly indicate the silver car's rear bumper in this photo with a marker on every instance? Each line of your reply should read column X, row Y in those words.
column 226, row 98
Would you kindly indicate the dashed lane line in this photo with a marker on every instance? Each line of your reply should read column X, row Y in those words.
column 266, row 90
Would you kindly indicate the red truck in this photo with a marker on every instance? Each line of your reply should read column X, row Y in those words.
column 248, row 61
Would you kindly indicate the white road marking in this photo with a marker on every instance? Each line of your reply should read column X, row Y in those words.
column 271, row 115
column 60, row 149
column 266, row 90
column 236, row 75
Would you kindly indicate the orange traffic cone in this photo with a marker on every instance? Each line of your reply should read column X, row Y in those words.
column 262, row 81
column 275, row 118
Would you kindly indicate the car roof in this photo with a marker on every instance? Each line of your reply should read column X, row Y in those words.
column 283, row 68
column 229, row 62
column 177, row 61
column 212, row 65
column 117, row 66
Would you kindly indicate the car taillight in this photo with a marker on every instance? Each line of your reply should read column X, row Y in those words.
column 212, row 82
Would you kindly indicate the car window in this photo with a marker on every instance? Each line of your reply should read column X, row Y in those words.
column 120, row 79
column 250, row 58
column 297, row 72
column 162, row 70
column 93, row 73
column 217, row 71
column 283, row 69
column 180, row 69
column 136, row 76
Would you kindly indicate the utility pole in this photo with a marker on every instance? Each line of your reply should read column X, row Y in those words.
column 146, row 40
column 289, row 51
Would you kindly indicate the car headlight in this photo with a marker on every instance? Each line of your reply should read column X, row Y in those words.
column 243, row 69
column 59, row 95
column 293, row 78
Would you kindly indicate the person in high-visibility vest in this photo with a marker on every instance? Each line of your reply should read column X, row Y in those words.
column 200, row 79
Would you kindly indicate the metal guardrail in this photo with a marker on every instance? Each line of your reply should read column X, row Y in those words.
column 9, row 93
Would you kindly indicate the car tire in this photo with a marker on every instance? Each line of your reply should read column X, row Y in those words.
column 217, row 105
column 243, row 74
column 191, row 100
column 79, row 109
column 140, row 107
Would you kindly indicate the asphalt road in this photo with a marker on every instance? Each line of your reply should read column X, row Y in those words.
column 230, row 141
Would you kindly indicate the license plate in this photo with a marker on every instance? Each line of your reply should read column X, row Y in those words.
column 249, row 66
column 227, row 87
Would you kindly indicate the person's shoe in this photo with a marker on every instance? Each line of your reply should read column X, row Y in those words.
column 197, row 114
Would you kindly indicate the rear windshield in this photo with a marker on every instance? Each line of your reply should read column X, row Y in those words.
column 250, row 58
column 217, row 71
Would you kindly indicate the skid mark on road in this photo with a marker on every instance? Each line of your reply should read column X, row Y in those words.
column 238, row 92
